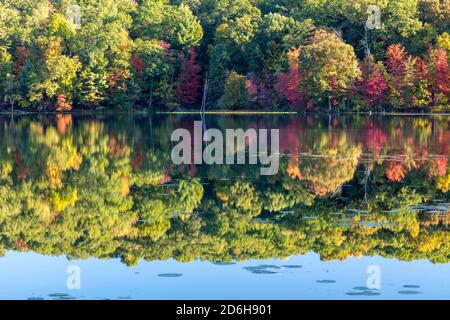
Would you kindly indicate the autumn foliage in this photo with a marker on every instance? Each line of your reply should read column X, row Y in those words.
column 188, row 85
column 289, row 84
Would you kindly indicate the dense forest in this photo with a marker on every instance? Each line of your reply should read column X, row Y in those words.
column 94, row 187
column 61, row 55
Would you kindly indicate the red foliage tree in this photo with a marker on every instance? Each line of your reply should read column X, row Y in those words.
column 62, row 103
column 289, row 84
column 138, row 64
column 188, row 85
column 440, row 78
column 21, row 53
column 258, row 90
column 402, row 74
column 422, row 72
column 374, row 88
column 396, row 61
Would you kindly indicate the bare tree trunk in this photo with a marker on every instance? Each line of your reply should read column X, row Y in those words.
column 150, row 101
column 367, row 49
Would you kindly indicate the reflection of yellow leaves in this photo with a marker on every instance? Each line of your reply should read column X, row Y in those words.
column 5, row 169
column 335, row 167
column 156, row 228
column 54, row 176
column 443, row 183
column 125, row 185
column 415, row 229
column 430, row 243
column 222, row 196
column 293, row 169
column 41, row 209
column 63, row 200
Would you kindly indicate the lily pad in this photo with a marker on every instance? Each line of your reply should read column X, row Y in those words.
column 326, row 281
column 292, row 266
column 170, row 275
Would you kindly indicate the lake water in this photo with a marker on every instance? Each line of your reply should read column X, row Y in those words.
column 93, row 207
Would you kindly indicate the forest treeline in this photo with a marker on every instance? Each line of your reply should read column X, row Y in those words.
column 61, row 55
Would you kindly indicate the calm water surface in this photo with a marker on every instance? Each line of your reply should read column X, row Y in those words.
column 101, row 193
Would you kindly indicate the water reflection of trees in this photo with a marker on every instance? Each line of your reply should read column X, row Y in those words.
column 346, row 187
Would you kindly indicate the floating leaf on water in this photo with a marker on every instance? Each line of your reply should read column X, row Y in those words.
column 363, row 293
column 57, row 295
column 259, row 220
column 409, row 292
column 374, row 224
column 363, row 289
column 358, row 210
column 405, row 210
column 224, row 263
column 170, row 275
column 292, row 266
column 65, row 298
column 411, row 286
column 262, row 271
column 326, row 281
column 269, row 266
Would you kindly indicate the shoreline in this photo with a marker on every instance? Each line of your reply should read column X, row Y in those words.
column 222, row 113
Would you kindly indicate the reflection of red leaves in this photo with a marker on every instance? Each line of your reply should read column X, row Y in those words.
column 290, row 137
column 138, row 160
column 63, row 122
column 115, row 147
column 441, row 166
column 21, row 170
column 21, row 245
column 164, row 180
column 395, row 171
column 375, row 138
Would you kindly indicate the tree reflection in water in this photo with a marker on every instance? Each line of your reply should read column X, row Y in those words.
column 105, row 187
